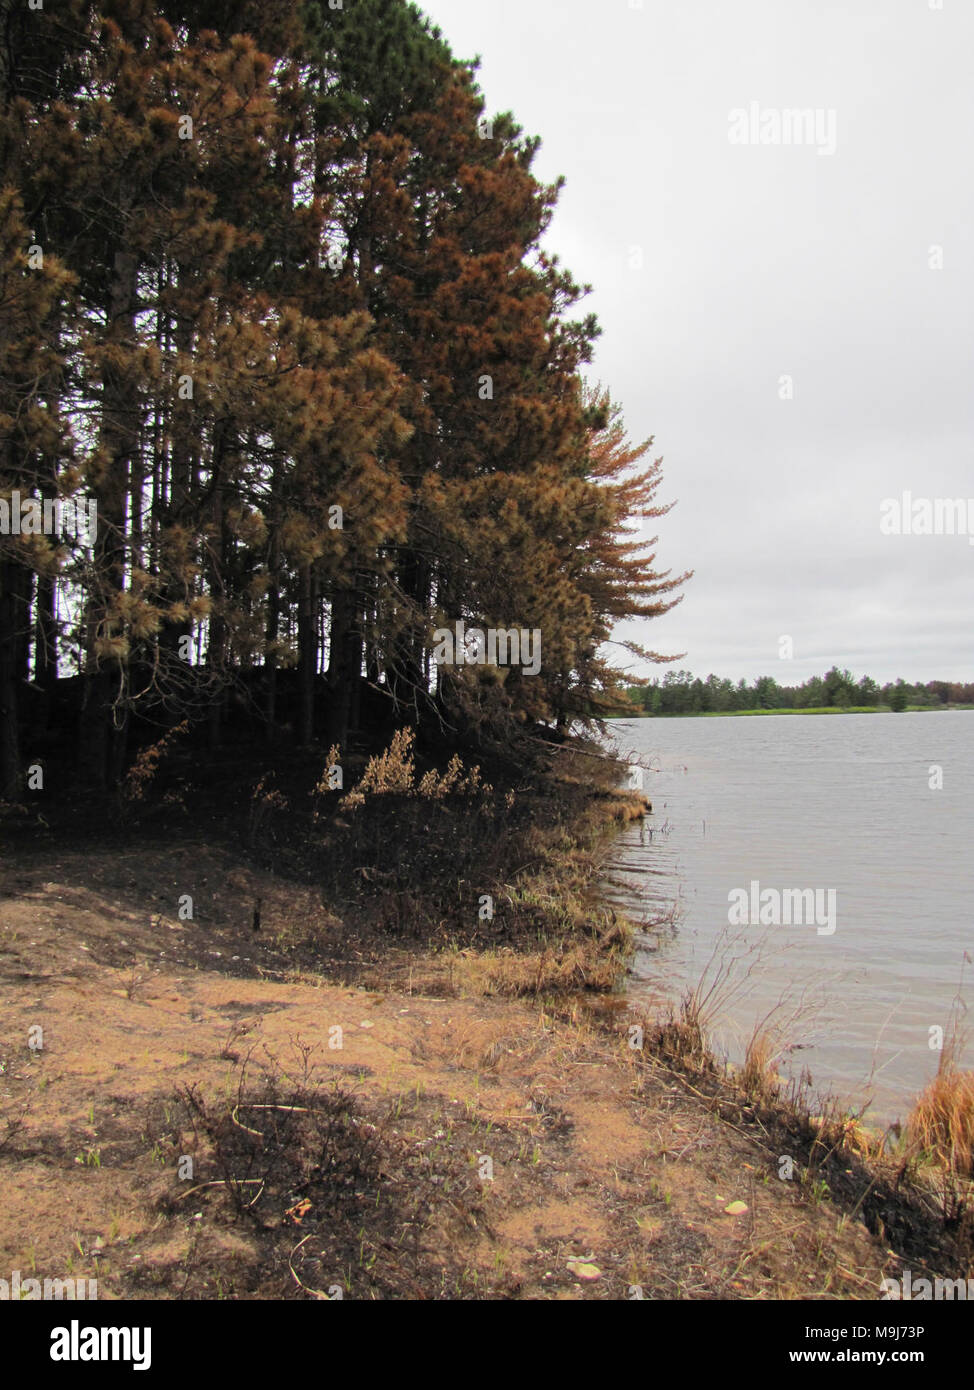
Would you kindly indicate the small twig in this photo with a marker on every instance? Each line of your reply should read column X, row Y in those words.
column 218, row 1182
column 254, row 1105
column 246, row 1128
column 315, row 1293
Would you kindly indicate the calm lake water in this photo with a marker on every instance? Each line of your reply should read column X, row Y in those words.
column 833, row 802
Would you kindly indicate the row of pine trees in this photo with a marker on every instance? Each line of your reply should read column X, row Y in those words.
column 273, row 297
column 682, row 693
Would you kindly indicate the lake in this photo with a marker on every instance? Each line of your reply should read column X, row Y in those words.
column 749, row 814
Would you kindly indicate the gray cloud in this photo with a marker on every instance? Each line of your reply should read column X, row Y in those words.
column 760, row 261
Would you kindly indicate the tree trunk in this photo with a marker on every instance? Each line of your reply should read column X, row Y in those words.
column 102, row 737
column 215, row 652
column 11, row 584
column 45, row 646
column 307, row 653
column 408, row 680
column 344, row 666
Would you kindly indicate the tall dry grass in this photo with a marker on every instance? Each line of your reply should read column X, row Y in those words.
column 940, row 1127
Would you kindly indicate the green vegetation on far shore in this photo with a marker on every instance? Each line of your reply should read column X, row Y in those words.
column 837, row 692
column 818, row 709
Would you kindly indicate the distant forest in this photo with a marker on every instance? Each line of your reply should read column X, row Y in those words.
column 680, row 692
column 274, row 302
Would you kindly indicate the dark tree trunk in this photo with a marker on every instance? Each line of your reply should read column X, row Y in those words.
column 104, row 713
column 271, row 634
column 344, row 667
column 178, row 511
column 307, row 653
column 409, row 683
column 45, row 634
column 11, row 617
column 216, row 653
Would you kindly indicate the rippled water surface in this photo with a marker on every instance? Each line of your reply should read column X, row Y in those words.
column 839, row 802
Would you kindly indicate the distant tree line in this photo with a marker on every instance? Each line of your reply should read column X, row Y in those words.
column 679, row 692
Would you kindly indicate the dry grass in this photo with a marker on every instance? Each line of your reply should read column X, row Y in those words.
column 940, row 1127
column 624, row 807
column 572, row 964
column 922, row 1190
column 759, row 1076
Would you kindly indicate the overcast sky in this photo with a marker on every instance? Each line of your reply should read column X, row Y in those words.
column 762, row 261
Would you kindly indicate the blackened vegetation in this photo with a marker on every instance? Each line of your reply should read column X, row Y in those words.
column 385, row 887
column 334, row 1200
column 427, row 845
column 926, row 1225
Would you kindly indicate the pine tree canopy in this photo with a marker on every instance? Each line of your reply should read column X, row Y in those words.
column 274, row 306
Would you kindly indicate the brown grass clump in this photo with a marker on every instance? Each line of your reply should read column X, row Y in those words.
column 393, row 773
column 572, row 963
column 759, row 1075
column 941, row 1124
column 623, row 807
column 680, row 1038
